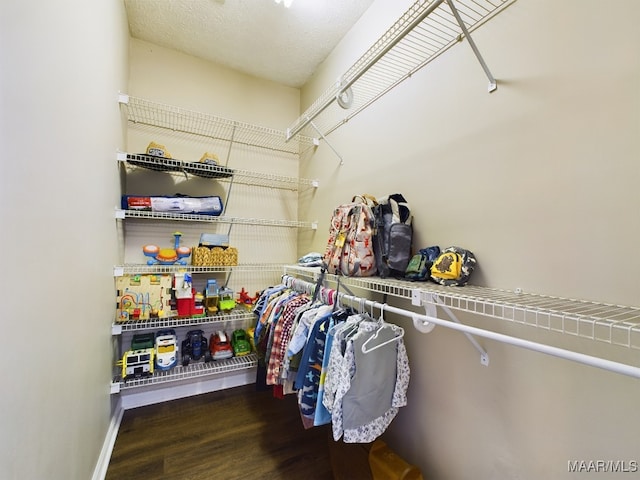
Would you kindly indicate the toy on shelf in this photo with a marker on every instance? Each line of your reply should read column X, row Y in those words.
column 246, row 300
column 226, row 302
column 140, row 297
column 211, row 297
column 220, row 346
column 195, row 347
column 250, row 333
column 137, row 363
column 240, row 343
column 142, row 341
column 166, row 349
column 167, row 256
column 186, row 295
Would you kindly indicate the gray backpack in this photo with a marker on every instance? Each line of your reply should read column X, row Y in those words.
column 393, row 235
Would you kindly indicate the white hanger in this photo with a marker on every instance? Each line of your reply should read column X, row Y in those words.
column 395, row 328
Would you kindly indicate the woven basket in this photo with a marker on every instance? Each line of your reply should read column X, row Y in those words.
column 214, row 256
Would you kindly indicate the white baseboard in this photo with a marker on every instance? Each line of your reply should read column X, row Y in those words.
column 100, row 471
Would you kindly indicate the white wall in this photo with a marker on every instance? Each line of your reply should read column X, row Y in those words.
column 62, row 66
column 539, row 180
column 197, row 85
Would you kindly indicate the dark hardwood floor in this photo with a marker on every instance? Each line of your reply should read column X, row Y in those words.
column 239, row 433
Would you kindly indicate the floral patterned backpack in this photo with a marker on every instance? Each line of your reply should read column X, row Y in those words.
column 349, row 249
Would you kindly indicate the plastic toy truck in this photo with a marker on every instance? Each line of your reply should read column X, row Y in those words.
column 240, row 343
column 195, row 347
column 220, row 346
column 166, row 349
column 227, row 301
column 141, row 341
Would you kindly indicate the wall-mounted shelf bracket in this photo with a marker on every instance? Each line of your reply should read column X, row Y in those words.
column 492, row 81
column 430, row 301
column 326, row 141
column 424, row 32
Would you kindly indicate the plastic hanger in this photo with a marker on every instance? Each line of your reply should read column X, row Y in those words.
column 398, row 330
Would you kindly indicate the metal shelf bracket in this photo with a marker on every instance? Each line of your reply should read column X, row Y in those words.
column 326, row 141
column 430, row 302
column 492, row 81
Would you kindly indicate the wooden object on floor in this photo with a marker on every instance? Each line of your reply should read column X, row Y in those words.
column 239, row 433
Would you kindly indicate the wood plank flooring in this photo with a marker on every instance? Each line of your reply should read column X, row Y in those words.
column 239, row 433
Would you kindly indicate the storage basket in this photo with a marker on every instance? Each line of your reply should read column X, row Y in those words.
column 205, row 256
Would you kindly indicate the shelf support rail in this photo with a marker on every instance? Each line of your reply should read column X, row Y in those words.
column 342, row 91
column 492, row 81
column 422, row 324
column 346, row 83
column 430, row 309
column 326, row 141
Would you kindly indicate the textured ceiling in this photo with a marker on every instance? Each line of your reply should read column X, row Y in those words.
column 257, row 37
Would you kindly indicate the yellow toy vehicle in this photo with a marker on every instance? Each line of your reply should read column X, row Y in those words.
column 137, row 363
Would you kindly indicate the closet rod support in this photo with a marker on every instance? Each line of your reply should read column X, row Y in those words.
column 492, row 81
column 431, row 311
column 421, row 320
column 369, row 59
column 484, row 356
column 326, row 141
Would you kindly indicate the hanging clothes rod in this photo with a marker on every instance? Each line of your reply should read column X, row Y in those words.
column 420, row 322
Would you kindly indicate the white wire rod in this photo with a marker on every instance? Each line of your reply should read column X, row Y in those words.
column 224, row 174
column 175, row 322
column 484, row 356
column 563, row 316
column 420, row 321
column 146, row 112
column 472, row 44
column 612, row 324
column 186, row 217
column 135, row 268
column 609, row 365
column 425, row 23
column 193, row 370
column 409, row 20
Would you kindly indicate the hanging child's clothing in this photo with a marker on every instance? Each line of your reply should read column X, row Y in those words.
column 347, row 369
column 366, row 389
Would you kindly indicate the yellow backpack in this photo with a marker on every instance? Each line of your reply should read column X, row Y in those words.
column 453, row 267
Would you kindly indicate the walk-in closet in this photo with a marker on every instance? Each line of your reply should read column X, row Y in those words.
column 176, row 302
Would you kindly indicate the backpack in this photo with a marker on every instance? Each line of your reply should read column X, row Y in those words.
column 419, row 267
column 453, row 267
column 349, row 248
column 393, row 235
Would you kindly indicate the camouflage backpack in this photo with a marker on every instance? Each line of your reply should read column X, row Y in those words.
column 453, row 267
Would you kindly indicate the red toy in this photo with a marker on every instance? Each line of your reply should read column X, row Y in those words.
column 245, row 299
column 220, row 346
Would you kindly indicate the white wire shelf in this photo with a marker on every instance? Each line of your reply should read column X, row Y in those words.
column 239, row 314
column 613, row 324
column 425, row 31
column 193, row 370
column 215, row 172
column 186, row 217
column 176, row 119
column 141, row 268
